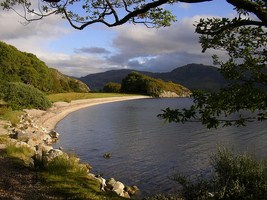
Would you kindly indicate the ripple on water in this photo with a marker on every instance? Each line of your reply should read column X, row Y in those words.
column 144, row 150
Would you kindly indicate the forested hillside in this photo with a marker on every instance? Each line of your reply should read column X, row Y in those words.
column 17, row 66
column 192, row 76
column 136, row 83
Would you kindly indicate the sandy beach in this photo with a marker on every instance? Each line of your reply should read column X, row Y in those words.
column 49, row 118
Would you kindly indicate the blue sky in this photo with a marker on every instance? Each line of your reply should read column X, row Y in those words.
column 98, row 48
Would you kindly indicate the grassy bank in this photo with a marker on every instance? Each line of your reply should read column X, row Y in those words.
column 67, row 97
column 64, row 178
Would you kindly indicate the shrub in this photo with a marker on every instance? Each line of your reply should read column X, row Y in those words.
column 235, row 177
column 112, row 87
column 19, row 96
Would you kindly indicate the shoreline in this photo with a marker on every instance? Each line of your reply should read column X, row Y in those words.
column 51, row 117
column 35, row 131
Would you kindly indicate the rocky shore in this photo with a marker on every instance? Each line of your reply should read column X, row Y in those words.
column 36, row 131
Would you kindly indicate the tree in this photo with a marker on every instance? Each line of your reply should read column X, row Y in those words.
column 82, row 13
column 245, row 41
column 112, row 87
column 242, row 38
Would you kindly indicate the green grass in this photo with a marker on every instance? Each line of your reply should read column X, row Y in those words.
column 66, row 177
column 6, row 113
column 68, row 97
column 69, row 179
column 4, row 139
column 21, row 155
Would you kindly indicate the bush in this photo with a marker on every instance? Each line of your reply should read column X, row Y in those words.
column 136, row 83
column 235, row 177
column 112, row 87
column 19, row 96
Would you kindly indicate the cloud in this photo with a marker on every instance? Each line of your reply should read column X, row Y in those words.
column 13, row 28
column 76, row 65
column 135, row 47
column 184, row 5
column 159, row 49
column 92, row 50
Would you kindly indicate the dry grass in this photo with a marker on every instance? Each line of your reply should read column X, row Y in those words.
column 68, row 97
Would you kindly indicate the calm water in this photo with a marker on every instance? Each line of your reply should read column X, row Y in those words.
column 146, row 151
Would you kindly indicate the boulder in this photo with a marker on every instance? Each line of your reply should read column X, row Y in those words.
column 53, row 134
column 54, row 153
column 17, row 134
column 131, row 190
column 126, row 195
column 119, row 188
column 168, row 94
column 110, row 184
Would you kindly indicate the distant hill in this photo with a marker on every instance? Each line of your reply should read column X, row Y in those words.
column 137, row 83
column 192, row 76
column 17, row 66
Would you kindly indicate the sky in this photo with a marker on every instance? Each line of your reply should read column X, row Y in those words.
column 98, row 48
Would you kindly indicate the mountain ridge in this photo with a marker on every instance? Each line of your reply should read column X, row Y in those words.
column 193, row 76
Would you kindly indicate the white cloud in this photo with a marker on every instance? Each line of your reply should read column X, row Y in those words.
column 135, row 46
column 34, row 37
column 184, row 5
column 169, row 47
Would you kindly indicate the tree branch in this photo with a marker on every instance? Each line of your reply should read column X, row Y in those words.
column 230, row 26
column 252, row 7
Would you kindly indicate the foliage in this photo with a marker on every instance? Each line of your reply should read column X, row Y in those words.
column 62, row 83
column 244, row 41
column 81, row 13
column 112, row 87
column 68, row 97
column 70, row 180
column 234, row 177
column 17, row 66
column 136, row 83
column 193, row 76
column 20, row 95
column 22, row 153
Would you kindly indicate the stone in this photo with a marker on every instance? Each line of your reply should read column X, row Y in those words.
column 119, row 188
column 131, row 190
column 91, row 175
column 89, row 167
column 107, row 155
column 54, row 153
column 17, row 134
column 48, row 141
column 44, row 148
column 53, row 134
column 110, row 183
column 126, row 195
column 22, row 144
column 32, row 143
column 168, row 94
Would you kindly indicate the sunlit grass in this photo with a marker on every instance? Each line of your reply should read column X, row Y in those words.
column 69, row 179
column 19, row 153
column 4, row 139
column 68, row 97
column 6, row 113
